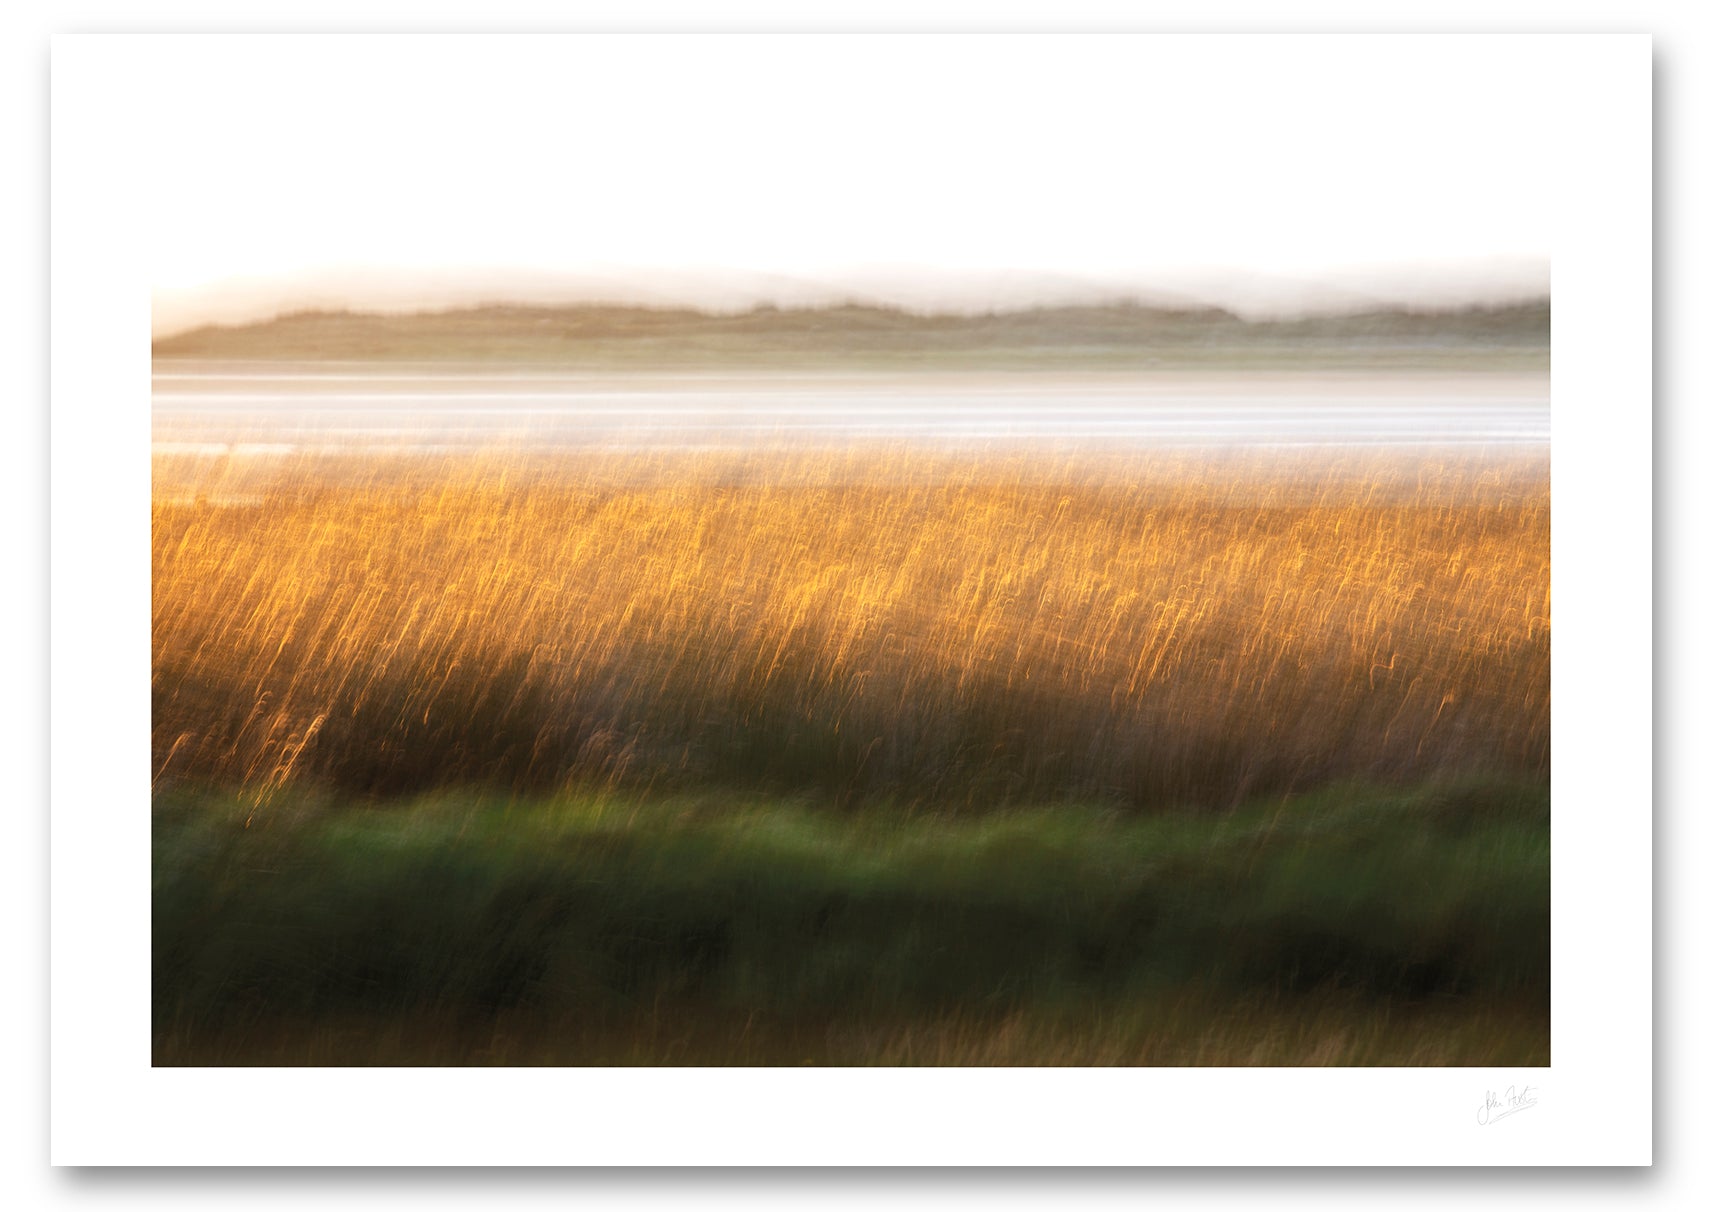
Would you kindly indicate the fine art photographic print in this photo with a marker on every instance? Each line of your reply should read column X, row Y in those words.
column 841, row 573
column 960, row 553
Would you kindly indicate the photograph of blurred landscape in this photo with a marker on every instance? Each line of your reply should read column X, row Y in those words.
column 1046, row 563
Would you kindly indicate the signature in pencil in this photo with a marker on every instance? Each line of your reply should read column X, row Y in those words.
column 1497, row 1107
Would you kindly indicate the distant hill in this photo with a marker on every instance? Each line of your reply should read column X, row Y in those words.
column 1108, row 335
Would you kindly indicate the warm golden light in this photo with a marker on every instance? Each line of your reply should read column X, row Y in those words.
column 890, row 623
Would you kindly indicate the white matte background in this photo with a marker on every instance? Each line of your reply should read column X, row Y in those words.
column 1619, row 526
column 1594, row 208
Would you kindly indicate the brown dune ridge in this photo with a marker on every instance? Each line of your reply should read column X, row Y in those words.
column 1118, row 333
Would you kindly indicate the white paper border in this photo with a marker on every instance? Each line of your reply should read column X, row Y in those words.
column 110, row 1107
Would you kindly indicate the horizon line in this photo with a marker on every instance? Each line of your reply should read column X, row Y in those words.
column 1247, row 294
column 1351, row 309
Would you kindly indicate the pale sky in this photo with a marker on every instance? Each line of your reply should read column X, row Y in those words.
column 939, row 172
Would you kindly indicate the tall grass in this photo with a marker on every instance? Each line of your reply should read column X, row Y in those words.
column 863, row 625
column 1350, row 926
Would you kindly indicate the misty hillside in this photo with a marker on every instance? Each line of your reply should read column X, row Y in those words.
column 1120, row 334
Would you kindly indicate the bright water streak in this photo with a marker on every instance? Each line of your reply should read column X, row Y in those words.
column 255, row 409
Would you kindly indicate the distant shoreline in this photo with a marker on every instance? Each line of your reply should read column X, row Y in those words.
column 1123, row 336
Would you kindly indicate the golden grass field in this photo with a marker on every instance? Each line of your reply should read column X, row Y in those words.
column 1150, row 631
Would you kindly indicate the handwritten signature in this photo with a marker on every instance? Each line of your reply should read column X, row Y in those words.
column 1517, row 1098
